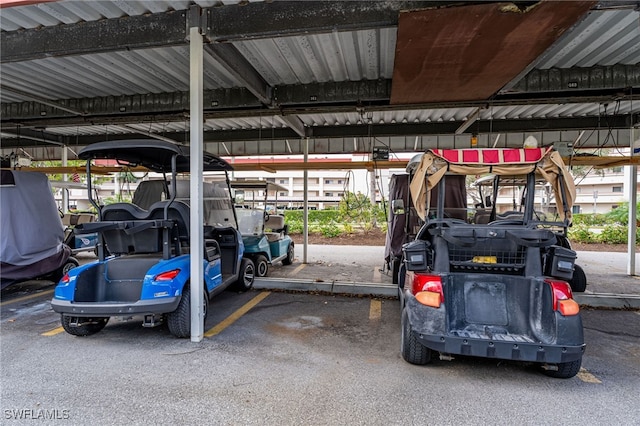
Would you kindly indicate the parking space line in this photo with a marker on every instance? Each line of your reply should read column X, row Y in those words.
column 298, row 269
column 23, row 298
column 376, row 275
column 236, row 315
column 53, row 332
column 587, row 377
column 375, row 310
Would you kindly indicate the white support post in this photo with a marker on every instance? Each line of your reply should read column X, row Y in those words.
column 633, row 202
column 196, row 191
column 305, row 211
column 65, row 178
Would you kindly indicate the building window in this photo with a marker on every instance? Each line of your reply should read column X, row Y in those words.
column 328, row 194
column 328, row 181
column 284, row 181
column 617, row 189
column 282, row 194
column 575, row 209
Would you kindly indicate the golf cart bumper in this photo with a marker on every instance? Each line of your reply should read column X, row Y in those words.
column 141, row 307
column 529, row 352
column 432, row 329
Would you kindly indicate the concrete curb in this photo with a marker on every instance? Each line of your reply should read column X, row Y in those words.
column 608, row 300
column 334, row 287
column 592, row 300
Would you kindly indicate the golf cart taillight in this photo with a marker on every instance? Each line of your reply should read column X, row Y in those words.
column 427, row 289
column 65, row 279
column 563, row 298
column 167, row 276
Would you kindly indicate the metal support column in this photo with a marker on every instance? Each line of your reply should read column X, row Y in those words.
column 633, row 202
column 305, row 214
column 65, row 178
column 196, row 204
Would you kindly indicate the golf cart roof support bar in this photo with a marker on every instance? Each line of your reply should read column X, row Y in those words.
column 166, row 243
column 441, row 200
column 530, row 200
column 94, row 203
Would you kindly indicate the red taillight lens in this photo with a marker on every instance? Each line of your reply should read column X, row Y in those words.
column 65, row 279
column 167, row 276
column 427, row 289
column 563, row 298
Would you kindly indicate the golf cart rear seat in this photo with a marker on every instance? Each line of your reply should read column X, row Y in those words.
column 126, row 228
column 274, row 227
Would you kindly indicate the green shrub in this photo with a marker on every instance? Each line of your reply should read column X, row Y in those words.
column 348, row 228
column 589, row 219
column 614, row 234
column 330, row 230
column 621, row 214
column 295, row 226
column 581, row 234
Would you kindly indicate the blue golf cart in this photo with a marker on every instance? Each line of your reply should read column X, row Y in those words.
column 264, row 232
column 147, row 269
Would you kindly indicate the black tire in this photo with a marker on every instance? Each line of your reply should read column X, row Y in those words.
column 395, row 269
column 578, row 282
column 179, row 321
column 70, row 263
column 566, row 370
column 246, row 276
column 262, row 266
column 413, row 351
column 90, row 326
column 290, row 255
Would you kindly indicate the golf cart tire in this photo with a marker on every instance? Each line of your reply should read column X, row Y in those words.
column 94, row 325
column 179, row 321
column 413, row 351
column 578, row 282
column 246, row 276
column 566, row 370
column 70, row 263
column 290, row 255
column 262, row 266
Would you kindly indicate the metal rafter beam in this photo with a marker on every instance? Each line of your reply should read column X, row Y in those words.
column 229, row 57
column 255, row 136
column 107, row 35
column 291, row 18
column 223, row 23
column 236, row 103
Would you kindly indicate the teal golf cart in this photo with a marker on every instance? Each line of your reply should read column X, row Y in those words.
column 264, row 232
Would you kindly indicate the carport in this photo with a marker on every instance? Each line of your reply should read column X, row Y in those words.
column 284, row 77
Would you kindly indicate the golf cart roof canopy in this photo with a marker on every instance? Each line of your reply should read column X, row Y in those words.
column 257, row 184
column 153, row 154
column 545, row 162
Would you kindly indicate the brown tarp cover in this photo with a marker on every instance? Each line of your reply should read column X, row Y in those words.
column 546, row 163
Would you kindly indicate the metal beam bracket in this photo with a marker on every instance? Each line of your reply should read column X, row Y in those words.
column 200, row 18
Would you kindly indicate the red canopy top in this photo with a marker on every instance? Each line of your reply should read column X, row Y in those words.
column 492, row 155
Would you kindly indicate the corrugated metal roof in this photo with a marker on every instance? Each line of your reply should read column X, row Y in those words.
column 142, row 71
column 336, row 56
column 604, row 37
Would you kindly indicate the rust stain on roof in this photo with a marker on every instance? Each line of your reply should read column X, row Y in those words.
column 470, row 52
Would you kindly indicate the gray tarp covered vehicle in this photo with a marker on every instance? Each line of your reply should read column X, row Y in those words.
column 32, row 244
column 497, row 289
